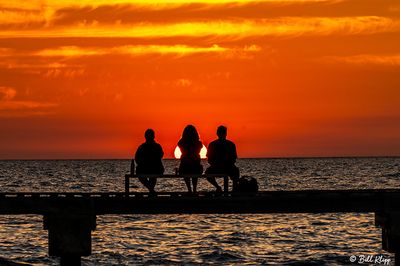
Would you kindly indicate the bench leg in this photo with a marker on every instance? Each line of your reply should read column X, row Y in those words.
column 126, row 186
column 226, row 184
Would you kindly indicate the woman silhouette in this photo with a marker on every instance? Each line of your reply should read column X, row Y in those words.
column 190, row 146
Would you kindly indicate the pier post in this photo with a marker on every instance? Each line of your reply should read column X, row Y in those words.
column 70, row 236
column 127, row 177
column 390, row 224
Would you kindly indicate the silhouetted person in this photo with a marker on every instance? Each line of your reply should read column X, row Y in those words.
column 221, row 154
column 148, row 159
column 190, row 146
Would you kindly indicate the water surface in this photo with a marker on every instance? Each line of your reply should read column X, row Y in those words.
column 268, row 239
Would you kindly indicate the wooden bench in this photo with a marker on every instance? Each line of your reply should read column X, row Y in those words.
column 224, row 176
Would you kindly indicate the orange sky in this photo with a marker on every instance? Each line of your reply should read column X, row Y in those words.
column 288, row 77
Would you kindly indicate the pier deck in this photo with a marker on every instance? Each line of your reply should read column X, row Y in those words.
column 303, row 201
column 70, row 217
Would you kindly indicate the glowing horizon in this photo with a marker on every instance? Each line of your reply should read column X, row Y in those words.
column 178, row 153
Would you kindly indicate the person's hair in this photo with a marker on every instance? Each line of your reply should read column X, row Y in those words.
column 190, row 134
column 221, row 131
column 149, row 134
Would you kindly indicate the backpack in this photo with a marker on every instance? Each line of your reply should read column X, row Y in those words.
column 247, row 184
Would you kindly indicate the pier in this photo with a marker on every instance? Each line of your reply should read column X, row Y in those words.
column 71, row 217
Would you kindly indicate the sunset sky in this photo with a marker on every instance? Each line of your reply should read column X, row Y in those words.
column 85, row 79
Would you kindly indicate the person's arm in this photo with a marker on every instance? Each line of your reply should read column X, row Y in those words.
column 199, row 147
column 161, row 151
column 138, row 155
column 210, row 153
column 234, row 153
column 181, row 147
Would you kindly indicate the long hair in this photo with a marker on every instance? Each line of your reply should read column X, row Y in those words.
column 190, row 134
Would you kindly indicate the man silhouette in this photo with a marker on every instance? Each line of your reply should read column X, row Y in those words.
column 148, row 160
column 221, row 154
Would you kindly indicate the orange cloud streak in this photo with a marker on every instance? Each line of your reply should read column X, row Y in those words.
column 289, row 26
column 141, row 50
column 366, row 59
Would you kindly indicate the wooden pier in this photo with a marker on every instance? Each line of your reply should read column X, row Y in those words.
column 71, row 217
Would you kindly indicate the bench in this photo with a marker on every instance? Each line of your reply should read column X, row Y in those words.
column 224, row 176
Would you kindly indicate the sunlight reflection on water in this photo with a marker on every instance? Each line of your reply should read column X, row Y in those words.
column 321, row 239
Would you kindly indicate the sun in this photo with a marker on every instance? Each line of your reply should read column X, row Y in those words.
column 203, row 152
column 177, row 153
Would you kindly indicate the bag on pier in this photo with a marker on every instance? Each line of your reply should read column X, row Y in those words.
column 247, row 184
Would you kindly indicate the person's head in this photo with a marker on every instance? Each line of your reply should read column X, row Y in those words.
column 190, row 133
column 222, row 132
column 149, row 135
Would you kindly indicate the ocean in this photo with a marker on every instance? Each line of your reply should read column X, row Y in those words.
column 262, row 239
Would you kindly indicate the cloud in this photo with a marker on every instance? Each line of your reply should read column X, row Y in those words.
column 63, row 72
column 11, row 107
column 224, row 10
column 140, row 50
column 23, row 105
column 238, row 29
column 39, row 4
column 190, row 11
column 183, row 82
column 7, row 93
column 365, row 59
column 13, row 64
column 14, row 17
column 5, row 52
column 42, row 13
column 134, row 50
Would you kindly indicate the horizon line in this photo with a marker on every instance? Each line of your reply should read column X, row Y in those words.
column 171, row 158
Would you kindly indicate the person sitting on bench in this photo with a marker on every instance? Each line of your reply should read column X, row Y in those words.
column 221, row 154
column 190, row 146
column 148, row 160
